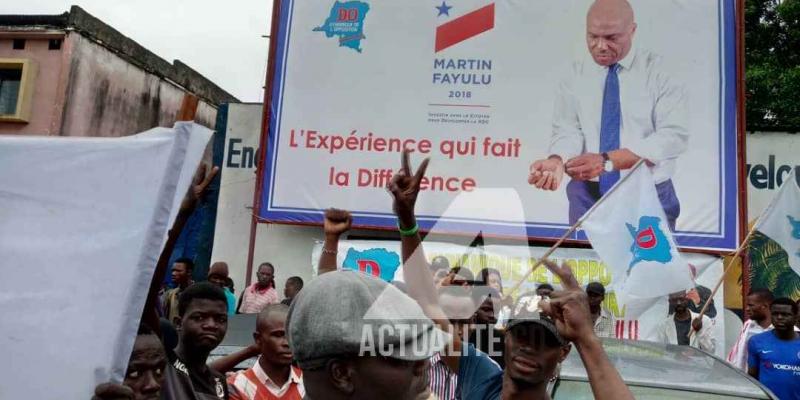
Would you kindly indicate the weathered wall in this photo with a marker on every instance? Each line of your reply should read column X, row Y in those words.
column 108, row 96
column 48, row 87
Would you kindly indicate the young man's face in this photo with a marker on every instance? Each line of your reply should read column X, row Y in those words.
column 679, row 302
column 290, row 289
column 595, row 299
column 180, row 273
column 204, row 324
column 532, row 353
column 265, row 275
column 146, row 367
column 756, row 308
column 783, row 319
column 270, row 337
column 486, row 312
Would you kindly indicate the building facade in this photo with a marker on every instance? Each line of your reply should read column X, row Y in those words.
column 73, row 75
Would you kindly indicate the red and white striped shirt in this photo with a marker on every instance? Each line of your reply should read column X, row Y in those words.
column 254, row 384
column 254, row 300
column 443, row 381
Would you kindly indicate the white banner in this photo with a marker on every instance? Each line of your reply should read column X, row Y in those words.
column 81, row 229
column 486, row 88
column 636, row 320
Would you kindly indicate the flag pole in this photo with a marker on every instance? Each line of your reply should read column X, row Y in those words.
column 573, row 228
column 725, row 271
column 791, row 178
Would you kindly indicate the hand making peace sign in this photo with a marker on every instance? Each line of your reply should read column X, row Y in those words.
column 404, row 188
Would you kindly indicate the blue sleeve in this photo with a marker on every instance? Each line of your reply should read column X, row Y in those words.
column 479, row 377
column 752, row 352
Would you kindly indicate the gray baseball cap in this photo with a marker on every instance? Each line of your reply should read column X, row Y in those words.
column 348, row 313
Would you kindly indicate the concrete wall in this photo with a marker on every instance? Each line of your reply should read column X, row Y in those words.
column 48, row 86
column 108, row 96
column 85, row 89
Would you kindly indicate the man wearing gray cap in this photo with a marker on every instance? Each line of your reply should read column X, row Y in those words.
column 356, row 336
column 534, row 344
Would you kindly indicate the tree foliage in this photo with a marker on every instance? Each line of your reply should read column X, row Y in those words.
column 772, row 57
column 769, row 268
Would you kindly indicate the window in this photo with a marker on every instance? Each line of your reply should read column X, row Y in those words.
column 18, row 44
column 54, row 44
column 10, row 80
column 16, row 88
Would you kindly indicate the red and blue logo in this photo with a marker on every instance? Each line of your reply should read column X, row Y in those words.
column 649, row 242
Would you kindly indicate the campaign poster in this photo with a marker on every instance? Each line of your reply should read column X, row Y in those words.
column 554, row 100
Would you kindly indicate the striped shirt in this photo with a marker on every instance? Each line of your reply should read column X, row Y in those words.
column 443, row 381
column 254, row 384
column 254, row 300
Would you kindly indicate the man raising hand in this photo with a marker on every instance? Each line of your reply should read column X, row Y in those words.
column 534, row 343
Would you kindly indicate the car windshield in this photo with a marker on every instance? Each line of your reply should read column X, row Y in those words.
column 647, row 364
column 579, row 390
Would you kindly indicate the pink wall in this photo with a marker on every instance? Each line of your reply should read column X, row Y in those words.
column 48, row 92
column 86, row 90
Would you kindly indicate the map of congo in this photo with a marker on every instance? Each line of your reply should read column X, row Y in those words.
column 378, row 262
column 649, row 242
column 346, row 22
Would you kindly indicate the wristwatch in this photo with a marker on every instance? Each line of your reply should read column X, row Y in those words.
column 608, row 165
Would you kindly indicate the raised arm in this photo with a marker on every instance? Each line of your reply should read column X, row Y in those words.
column 193, row 196
column 405, row 187
column 336, row 223
column 570, row 310
column 228, row 363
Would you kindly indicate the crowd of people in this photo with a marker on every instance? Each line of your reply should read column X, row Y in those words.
column 444, row 333
column 352, row 335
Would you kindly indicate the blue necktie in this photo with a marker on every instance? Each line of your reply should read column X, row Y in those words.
column 609, row 124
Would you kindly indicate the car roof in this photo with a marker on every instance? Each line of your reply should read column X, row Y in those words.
column 642, row 363
column 238, row 336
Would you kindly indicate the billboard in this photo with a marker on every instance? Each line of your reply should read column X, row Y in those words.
column 529, row 96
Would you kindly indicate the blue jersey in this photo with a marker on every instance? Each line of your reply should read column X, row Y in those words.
column 479, row 378
column 778, row 364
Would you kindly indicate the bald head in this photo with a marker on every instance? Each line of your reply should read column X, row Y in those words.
column 270, row 337
column 610, row 28
column 269, row 315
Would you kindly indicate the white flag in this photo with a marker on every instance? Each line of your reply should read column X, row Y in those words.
column 628, row 229
column 82, row 223
column 781, row 220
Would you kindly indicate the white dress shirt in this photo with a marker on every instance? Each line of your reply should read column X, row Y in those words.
column 704, row 339
column 654, row 112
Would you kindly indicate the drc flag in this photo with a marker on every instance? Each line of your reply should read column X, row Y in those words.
column 629, row 230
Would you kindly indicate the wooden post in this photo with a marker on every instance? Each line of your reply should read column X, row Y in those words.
column 188, row 108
